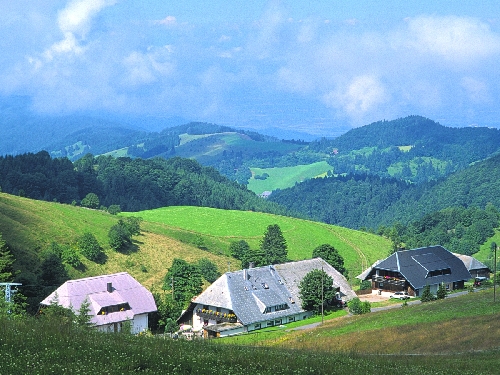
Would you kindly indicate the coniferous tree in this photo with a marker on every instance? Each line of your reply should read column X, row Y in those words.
column 329, row 254
column 274, row 245
column 6, row 262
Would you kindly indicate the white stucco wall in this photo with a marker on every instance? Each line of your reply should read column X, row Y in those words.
column 138, row 324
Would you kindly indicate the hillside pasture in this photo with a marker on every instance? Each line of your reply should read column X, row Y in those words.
column 284, row 177
column 359, row 249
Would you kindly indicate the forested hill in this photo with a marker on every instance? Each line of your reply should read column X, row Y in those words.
column 413, row 149
column 357, row 201
column 134, row 184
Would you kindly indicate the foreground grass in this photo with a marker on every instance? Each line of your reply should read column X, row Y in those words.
column 37, row 346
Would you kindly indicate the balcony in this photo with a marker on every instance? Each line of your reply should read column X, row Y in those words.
column 215, row 315
column 389, row 281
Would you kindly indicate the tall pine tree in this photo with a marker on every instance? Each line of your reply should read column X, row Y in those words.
column 273, row 245
column 6, row 262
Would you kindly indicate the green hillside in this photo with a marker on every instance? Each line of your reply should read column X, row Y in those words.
column 220, row 227
column 284, row 177
column 31, row 226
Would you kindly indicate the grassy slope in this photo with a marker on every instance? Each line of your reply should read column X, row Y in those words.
column 455, row 335
column 30, row 226
column 221, row 227
column 281, row 178
column 455, row 325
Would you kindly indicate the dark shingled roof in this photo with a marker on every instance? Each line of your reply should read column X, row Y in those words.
column 426, row 266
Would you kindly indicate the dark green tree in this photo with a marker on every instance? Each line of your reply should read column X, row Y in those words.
column 83, row 317
column 114, row 209
column 90, row 248
column 274, row 245
column 6, row 262
column 168, row 310
column 185, row 279
column 91, row 200
column 120, row 234
column 315, row 290
column 329, row 254
column 51, row 275
column 70, row 256
column 239, row 249
column 427, row 296
column 441, row 292
column 208, row 270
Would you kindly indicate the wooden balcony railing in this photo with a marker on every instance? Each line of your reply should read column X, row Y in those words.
column 215, row 315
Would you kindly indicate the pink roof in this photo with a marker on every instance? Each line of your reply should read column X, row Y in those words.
column 125, row 289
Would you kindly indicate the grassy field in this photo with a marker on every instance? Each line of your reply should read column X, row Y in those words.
column 190, row 233
column 281, row 178
column 452, row 336
column 359, row 249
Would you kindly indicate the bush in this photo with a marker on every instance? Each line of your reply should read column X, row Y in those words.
column 441, row 293
column 90, row 248
column 70, row 256
column 356, row 307
column 427, row 296
column 114, row 209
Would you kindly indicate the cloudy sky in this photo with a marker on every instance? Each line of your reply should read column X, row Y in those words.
column 315, row 66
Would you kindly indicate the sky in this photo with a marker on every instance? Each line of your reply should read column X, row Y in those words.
column 310, row 65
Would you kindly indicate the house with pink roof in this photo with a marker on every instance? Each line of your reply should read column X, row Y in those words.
column 114, row 299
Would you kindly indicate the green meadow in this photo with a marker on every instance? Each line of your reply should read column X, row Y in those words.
column 284, row 177
column 359, row 249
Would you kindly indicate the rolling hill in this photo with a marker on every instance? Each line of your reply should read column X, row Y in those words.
column 30, row 227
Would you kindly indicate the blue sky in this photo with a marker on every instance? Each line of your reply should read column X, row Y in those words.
column 314, row 66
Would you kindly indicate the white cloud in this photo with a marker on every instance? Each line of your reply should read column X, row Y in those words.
column 167, row 21
column 456, row 39
column 363, row 93
column 74, row 21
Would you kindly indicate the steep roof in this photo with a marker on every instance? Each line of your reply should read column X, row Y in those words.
column 251, row 292
column 471, row 263
column 426, row 266
column 125, row 290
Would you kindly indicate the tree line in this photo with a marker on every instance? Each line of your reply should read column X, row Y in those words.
column 131, row 184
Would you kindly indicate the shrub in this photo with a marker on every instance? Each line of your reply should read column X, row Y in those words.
column 90, row 248
column 427, row 296
column 441, row 293
column 356, row 307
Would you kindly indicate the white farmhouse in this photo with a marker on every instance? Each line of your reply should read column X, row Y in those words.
column 255, row 298
column 114, row 299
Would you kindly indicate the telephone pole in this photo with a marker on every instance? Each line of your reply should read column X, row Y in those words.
column 9, row 292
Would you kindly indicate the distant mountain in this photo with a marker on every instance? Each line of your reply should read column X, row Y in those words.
column 413, row 149
column 357, row 201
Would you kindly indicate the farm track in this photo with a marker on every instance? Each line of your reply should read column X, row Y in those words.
column 362, row 256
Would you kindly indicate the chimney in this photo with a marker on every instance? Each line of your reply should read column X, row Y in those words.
column 109, row 287
column 245, row 274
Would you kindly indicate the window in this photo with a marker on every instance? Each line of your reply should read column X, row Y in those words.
column 257, row 326
column 291, row 319
column 270, row 324
column 445, row 271
column 283, row 306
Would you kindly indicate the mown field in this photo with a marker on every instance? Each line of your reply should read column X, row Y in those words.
column 284, row 177
column 452, row 336
column 190, row 233
column 221, row 227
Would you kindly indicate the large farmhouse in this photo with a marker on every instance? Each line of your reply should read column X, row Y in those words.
column 113, row 300
column 412, row 270
column 255, row 298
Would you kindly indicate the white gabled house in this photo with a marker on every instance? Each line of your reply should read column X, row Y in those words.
column 114, row 299
column 254, row 298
